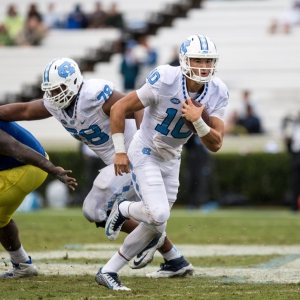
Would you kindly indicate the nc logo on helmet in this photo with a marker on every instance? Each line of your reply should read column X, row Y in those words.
column 65, row 70
column 185, row 44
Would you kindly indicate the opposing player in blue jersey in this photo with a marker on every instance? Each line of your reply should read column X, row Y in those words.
column 23, row 168
column 83, row 109
column 154, row 154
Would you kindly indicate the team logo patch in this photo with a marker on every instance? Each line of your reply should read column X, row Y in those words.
column 63, row 122
column 185, row 44
column 65, row 70
column 146, row 151
column 175, row 101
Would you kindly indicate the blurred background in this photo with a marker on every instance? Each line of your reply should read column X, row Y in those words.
column 258, row 43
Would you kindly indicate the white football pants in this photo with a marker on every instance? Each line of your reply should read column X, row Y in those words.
column 156, row 182
column 106, row 188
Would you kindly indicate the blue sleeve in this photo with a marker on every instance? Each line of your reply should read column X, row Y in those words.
column 24, row 137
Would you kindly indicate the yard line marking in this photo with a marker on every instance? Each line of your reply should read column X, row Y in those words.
column 278, row 270
column 106, row 251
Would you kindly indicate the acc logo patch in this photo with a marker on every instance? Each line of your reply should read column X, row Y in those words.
column 175, row 101
column 65, row 70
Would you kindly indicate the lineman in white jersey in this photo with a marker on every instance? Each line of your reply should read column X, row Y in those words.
column 154, row 154
column 83, row 109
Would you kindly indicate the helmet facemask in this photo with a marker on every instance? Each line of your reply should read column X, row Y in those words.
column 62, row 99
column 194, row 73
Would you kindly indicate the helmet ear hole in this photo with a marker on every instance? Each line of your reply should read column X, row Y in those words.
column 75, row 81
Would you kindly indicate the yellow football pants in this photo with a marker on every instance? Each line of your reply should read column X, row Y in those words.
column 15, row 185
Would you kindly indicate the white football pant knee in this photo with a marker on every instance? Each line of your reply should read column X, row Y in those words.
column 106, row 188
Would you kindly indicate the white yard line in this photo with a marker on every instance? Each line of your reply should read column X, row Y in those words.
column 105, row 251
column 288, row 272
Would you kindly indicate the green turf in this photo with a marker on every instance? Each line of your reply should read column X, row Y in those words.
column 52, row 230
column 85, row 288
column 207, row 261
column 56, row 230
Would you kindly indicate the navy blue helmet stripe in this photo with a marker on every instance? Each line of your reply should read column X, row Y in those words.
column 203, row 43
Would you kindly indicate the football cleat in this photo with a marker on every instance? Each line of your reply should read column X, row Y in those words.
column 110, row 280
column 26, row 269
column 115, row 221
column 145, row 257
column 178, row 267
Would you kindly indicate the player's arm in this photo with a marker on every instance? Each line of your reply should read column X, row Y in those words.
column 129, row 104
column 138, row 116
column 214, row 139
column 115, row 97
column 34, row 110
column 211, row 137
column 11, row 147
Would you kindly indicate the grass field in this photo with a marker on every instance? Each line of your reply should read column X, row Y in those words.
column 237, row 254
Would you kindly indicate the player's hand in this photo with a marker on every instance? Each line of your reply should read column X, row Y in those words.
column 190, row 111
column 61, row 174
column 121, row 163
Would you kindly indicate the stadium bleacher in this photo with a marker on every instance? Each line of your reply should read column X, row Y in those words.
column 250, row 58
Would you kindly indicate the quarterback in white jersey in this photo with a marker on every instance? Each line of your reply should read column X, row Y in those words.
column 83, row 109
column 154, row 154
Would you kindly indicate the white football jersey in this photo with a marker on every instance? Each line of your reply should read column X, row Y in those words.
column 89, row 124
column 162, row 114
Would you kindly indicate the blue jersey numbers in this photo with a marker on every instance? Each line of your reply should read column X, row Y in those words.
column 163, row 128
column 153, row 77
column 105, row 94
column 93, row 135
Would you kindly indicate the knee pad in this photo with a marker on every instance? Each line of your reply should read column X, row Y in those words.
column 159, row 217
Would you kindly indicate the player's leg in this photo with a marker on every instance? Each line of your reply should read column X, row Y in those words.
column 106, row 188
column 153, row 209
column 152, row 212
column 175, row 264
column 15, row 185
column 133, row 243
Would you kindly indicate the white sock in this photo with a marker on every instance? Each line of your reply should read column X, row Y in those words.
column 123, row 207
column 116, row 263
column 137, row 240
column 172, row 254
column 18, row 256
column 135, row 210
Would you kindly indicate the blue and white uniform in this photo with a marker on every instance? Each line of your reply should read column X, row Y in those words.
column 156, row 148
column 91, row 125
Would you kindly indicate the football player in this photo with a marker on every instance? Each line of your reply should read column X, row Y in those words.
column 83, row 109
column 23, row 168
column 153, row 157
